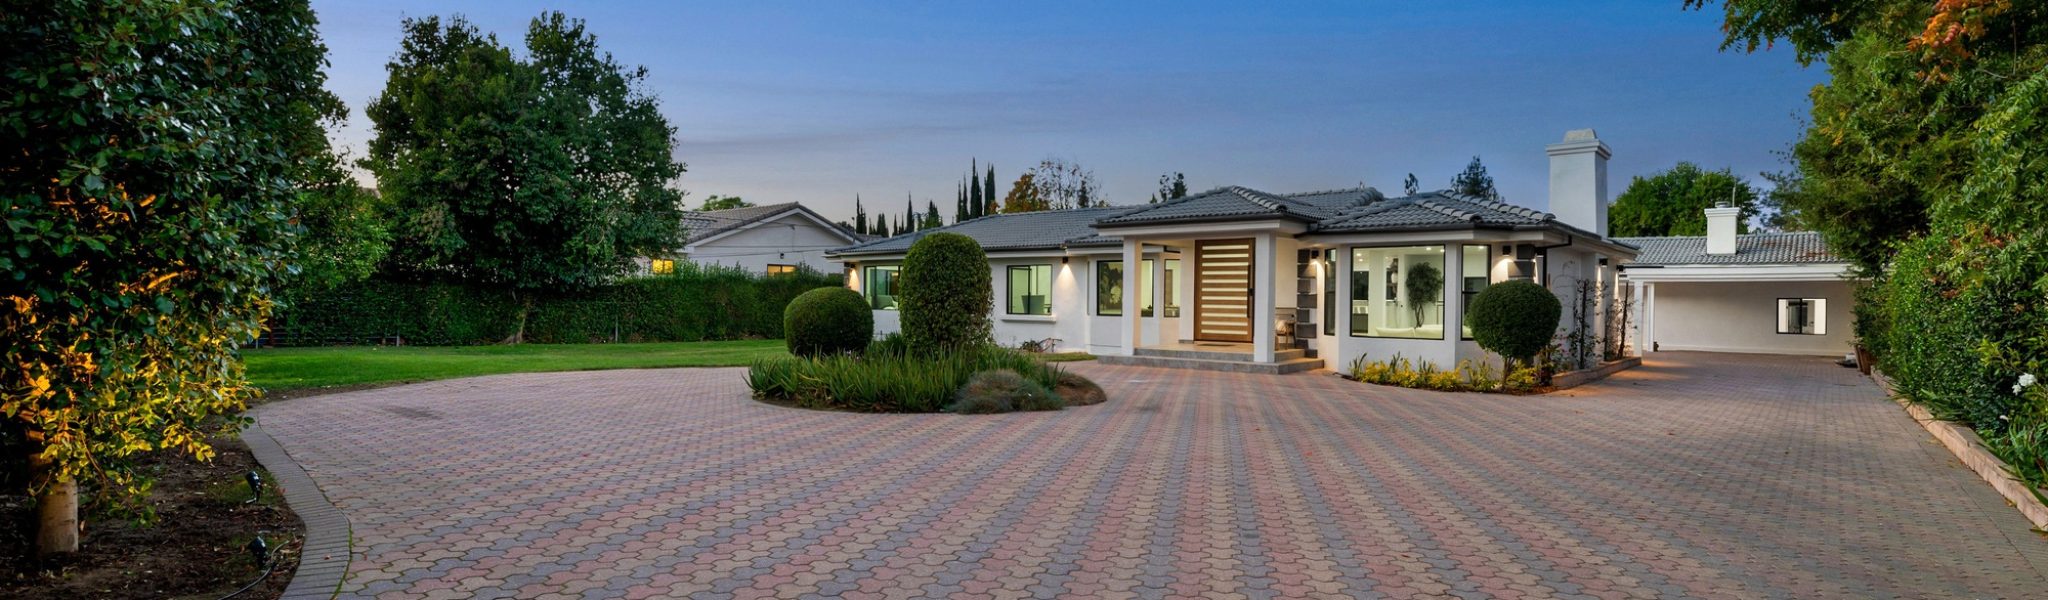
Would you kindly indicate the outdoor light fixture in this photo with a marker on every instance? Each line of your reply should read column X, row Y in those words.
column 259, row 550
column 255, row 486
column 1063, row 260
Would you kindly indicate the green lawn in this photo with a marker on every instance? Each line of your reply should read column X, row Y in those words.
column 277, row 369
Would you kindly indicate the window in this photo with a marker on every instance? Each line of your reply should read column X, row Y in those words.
column 661, row 266
column 1109, row 288
column 1330, row 292
column 1803, row 316
column 1477, row 274
column 1398, row 292
column 1172, row 291
column 781, row 269
column 879, row 284
column 1030, row 290
column 1145, row 299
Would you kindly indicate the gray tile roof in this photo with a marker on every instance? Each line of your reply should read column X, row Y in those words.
column 1235, row 202
column 1016, row 231
column 1432, row 210
column 1750, row 249
column 702, row 224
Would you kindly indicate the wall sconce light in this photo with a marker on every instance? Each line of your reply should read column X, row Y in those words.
column 1063, row 260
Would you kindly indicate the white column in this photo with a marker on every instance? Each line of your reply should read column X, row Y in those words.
column 1647, row 339
column 1133, row 253
column 1264, row 263
column 1454, row 297
column 1341, row 263
column 1158, row 298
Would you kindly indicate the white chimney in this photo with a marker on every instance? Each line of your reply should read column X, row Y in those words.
column 1578, row 180
column 1721, row 228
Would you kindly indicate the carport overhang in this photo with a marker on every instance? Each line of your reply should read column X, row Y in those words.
column 1642, row 273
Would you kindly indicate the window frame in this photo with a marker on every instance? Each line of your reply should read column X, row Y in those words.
column 1351, row 260
column 1099, row 265
column 1818, row 307
column 1465, row 292
column 785, row 269
column 867, row 284
column 661, row 266
column 1010, row 282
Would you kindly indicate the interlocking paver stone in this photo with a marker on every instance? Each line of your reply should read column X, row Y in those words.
column 1697, row 475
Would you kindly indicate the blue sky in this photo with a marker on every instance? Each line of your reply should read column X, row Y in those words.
column 819, row 101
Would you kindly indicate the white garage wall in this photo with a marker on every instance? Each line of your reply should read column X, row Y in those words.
column 1743, row 317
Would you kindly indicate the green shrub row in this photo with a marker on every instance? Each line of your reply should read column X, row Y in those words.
column 693, row 303
column 1469, row 376
column 886, row 381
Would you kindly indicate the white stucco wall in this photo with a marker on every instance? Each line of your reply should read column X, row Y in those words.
column 791, row 239
column 1743, row 317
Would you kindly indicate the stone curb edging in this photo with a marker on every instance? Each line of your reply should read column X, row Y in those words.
column 1581, row 377
column 324, row 558
column 1968, row 448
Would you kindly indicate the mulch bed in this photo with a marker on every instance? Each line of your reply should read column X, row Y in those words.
column 195, row 549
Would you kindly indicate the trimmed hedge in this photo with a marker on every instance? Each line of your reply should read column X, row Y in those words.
column 1516, row 319
column 947, row 294
column 692, row 304
column 882, row 381
column 833, row 320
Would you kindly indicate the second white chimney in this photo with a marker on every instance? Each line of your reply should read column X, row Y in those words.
column 1578, row 180
column 1721, row 221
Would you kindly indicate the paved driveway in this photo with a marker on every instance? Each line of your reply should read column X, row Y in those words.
column 1696, row 476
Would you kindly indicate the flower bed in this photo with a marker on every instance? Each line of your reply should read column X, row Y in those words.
column 886, row 378
column 1470, row 376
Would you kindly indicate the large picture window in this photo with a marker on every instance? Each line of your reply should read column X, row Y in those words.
column 1477, row 275
column 1109, row 288
column 1030, row 290
column 1398, row 292
column 879, row 284
column 1803, row 316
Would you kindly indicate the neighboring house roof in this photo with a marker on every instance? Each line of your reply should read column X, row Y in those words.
column 1801, row 247
column 705, row 224
column 1044, row 230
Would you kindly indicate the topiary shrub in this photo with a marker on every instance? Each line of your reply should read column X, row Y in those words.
column 1515, row 319
column 1003, row 390
column 1075, row 390
column 832, row 320
column 946, row 294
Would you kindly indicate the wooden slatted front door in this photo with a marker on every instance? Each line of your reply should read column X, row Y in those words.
column 1223, row 290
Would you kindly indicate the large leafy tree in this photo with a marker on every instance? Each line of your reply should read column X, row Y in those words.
column 544, row 172
column 1172, row 186
column 1674, row 202
column 717, row 202
column 155, row 150
column 1024, row 196
column 1064, row 184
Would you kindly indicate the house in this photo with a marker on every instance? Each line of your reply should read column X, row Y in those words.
column 1772, row 293
column 1241, row 279
column 771, row 239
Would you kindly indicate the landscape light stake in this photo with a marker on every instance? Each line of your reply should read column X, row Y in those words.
column 255, row 488
column 259, row 550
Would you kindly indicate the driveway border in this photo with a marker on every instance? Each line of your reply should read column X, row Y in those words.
column 324, row 558
column 1969, row 448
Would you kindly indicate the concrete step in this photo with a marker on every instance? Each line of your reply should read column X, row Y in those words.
column 1291, row 365
column 1279, row 354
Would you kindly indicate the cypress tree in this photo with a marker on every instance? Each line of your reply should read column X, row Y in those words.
column 988, row 196
column 881, row 227
column 959, row 204
column 974, row 197
column 860, row 217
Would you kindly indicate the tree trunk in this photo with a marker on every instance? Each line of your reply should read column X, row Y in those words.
column 56, row 507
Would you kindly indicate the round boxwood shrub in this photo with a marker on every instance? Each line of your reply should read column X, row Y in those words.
column 1001, row 391
column 832, row 320
column 1514, row 318
column 946, row 294
column 1075, row 390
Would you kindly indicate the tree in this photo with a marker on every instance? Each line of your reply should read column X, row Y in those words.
column 149, row 197
column 947, row 294
column 860, row 217
column 1410, row 184
column 988, row 195
column 932, row 219
column 1172, row 186
column 1475, row 182
column 717, row 202
column 544, row 173
column 1064, row 184
column 976, row 204
column 1024, row 196
column 1674, row 202
column 1425, row 285
column 960, row 203
column 1515, row 319
column 881, row 227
